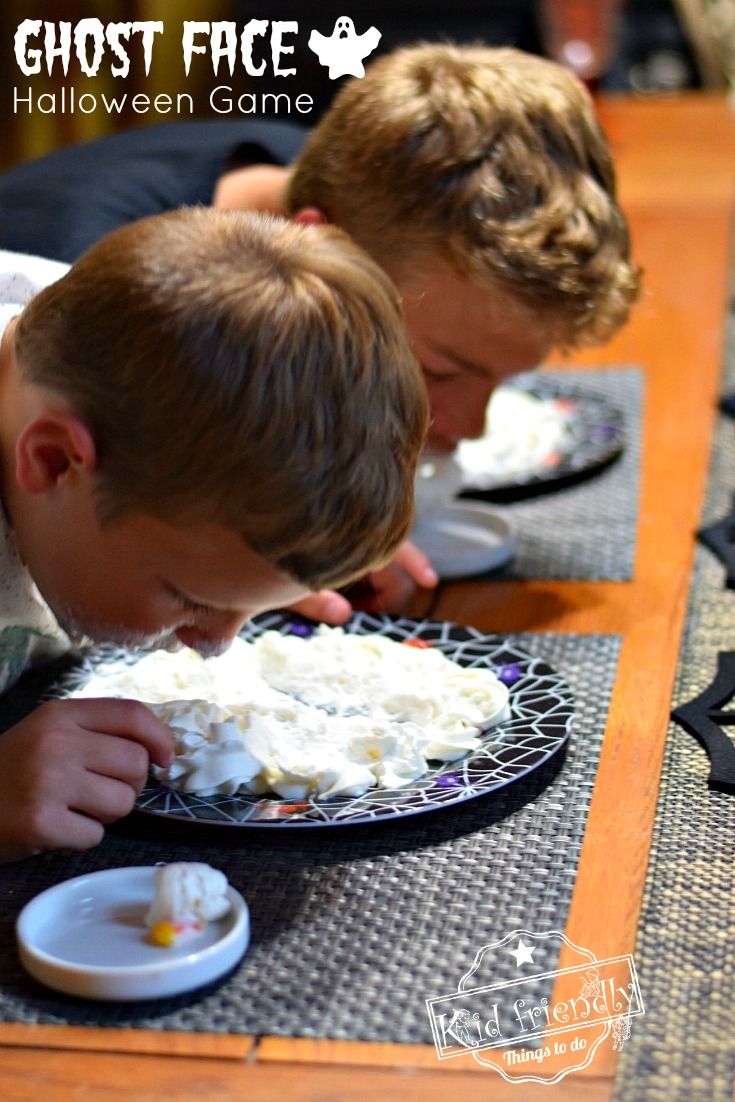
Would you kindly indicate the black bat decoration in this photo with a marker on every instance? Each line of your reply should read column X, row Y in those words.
column 727, row 404
column 720, row 538
column 704, row 717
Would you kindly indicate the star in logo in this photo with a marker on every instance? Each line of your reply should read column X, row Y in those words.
column 343, row 50
column 523, row 954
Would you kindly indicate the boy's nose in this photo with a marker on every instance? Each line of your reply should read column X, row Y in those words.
column 463, row 418
column 214, row 635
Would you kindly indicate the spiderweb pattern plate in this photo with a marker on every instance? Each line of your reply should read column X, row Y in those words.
column 593, row 437
column 542, row 710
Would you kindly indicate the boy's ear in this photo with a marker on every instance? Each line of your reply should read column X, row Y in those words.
column 310, row 216
column 51, row 450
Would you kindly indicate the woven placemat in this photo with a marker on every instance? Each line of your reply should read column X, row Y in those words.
column 353, row 928
column 683, row 1049
column 586, row 532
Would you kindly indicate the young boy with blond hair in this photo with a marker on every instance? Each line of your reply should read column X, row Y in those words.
column 209, row 415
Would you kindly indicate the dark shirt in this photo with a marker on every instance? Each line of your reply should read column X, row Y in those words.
column 59, row 205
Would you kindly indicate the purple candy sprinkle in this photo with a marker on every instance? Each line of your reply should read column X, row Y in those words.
column 448, row 780
column 299, row 627
column 510, row 674
column 604, row 432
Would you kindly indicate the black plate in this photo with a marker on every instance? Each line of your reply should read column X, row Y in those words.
column 542, row 709
column 594, row 437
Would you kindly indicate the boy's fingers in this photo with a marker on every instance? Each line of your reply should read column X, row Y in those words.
column 333, row 608
column 53, row 826
column 118, row 758
column 125, row 718
column 81, row 832
column 105, row 800
column 416, row 564
column 326, row 605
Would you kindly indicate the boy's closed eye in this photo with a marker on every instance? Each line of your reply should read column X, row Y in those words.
column 186, row 603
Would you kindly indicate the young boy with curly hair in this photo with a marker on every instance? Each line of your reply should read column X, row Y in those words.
column 210, row 414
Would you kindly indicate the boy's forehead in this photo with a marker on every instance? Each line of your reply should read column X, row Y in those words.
column 482, row 327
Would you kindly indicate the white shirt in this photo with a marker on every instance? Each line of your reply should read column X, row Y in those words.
column 29, row 633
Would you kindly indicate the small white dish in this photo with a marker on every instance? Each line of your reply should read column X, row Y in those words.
column 439, row 478
column 464, row 538
column 88, row 937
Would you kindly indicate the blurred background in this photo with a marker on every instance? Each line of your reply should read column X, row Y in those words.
column 639, row 47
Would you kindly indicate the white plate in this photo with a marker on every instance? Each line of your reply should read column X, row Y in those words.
column 464, row 538
column 87, row 937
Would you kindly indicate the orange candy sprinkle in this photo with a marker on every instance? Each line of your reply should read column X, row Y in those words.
column 164, row 934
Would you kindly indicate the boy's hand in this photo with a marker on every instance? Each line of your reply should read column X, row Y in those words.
column 71, row 766
column 385, row 590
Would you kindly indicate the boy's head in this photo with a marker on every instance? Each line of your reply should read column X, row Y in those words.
column 223, row 378
column 480, row 179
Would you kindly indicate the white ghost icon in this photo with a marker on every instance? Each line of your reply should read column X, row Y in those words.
column 344, row 50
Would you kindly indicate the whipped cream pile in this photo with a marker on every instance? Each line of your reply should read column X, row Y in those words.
column 335, row 714
column 189, row 894
column 521, row 430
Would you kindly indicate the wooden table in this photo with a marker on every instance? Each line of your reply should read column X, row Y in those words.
column 676, row 161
